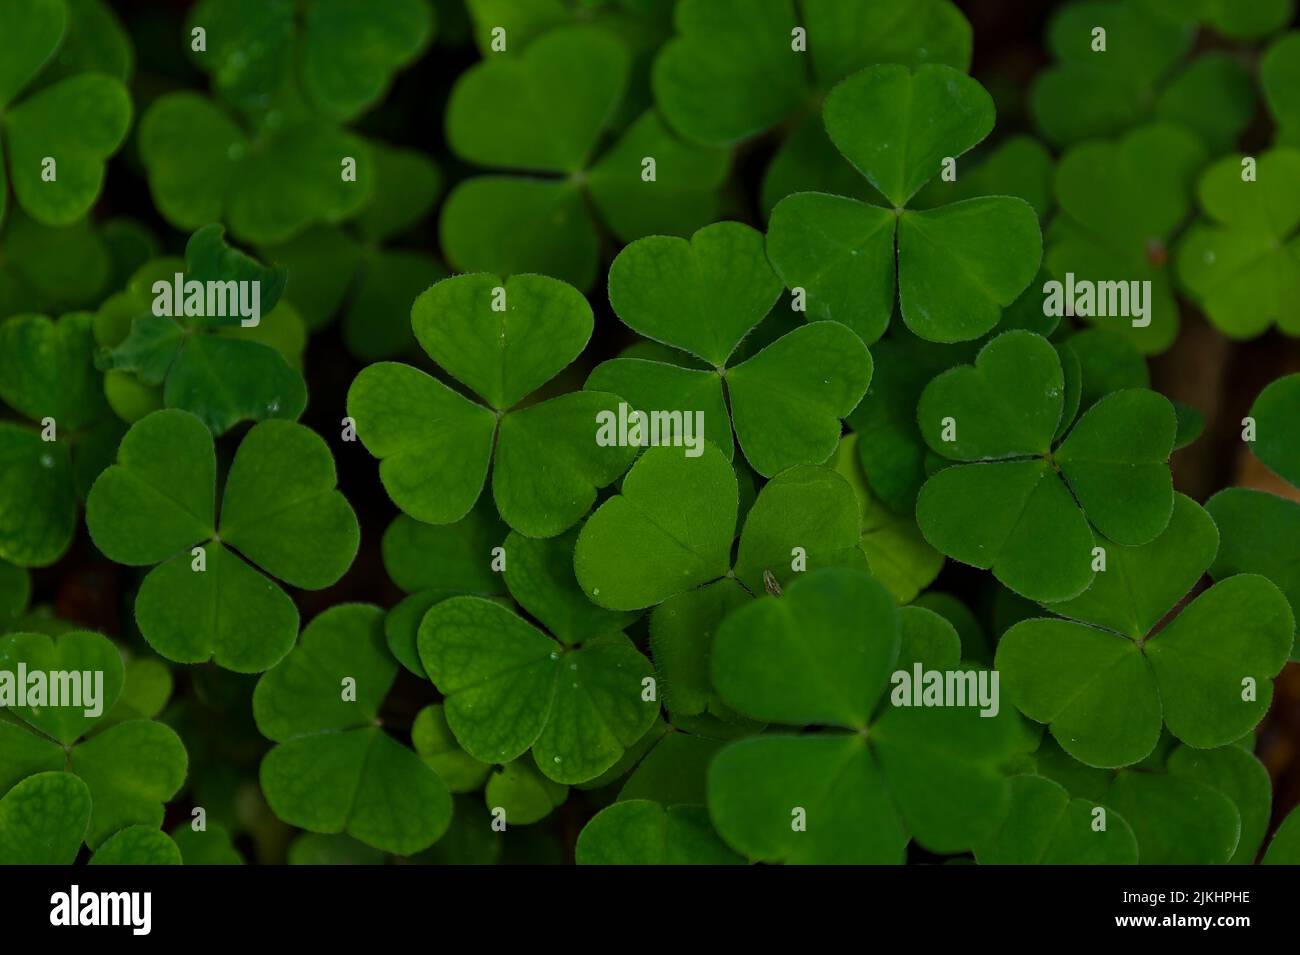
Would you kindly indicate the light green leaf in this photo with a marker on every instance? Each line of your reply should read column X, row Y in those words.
column 642, row 832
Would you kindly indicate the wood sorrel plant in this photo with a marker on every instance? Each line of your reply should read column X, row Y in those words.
column 704, row 432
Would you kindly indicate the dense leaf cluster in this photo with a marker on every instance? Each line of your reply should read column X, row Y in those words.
column 799, row 223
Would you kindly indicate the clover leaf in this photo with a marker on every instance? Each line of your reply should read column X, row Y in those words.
column 208, row 846
column 642, row 832
column 704, row 296
column 435, row 743
column 1279, row 70
column 279, row 511
column 822, row 654
column 1257, row 534
column 43, row 820
column 520, row 791
column 1284, row 848
column 505, row 223
column 435, row 446
column 1023, row 505
column 335, row 768
column 734, row 69
column 1106, row 678
column 1243, row 267
column 957, row 266
column 208, row 365
column 1274, row 413
column 1185, row 806
column 1122, row 203
column 509, row 687
column 47, row 375
column 345, row 54
column 355, row 270
column 137, row 845
column 267, row 184
column 671, row 531
column 1045, row 826
column 1138, row 76
column 130, row 769
column 77, row 123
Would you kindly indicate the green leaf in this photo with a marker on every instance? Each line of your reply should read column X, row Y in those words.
column 582, row 69
column 75, row 652
column 1120, row 220
column 1257, row 535
column 682, row 632
column 642, row 832
column 1177, row 821
column 787, row 401
column 350, row 52
column 960, row 265
column 1015, row 518
column 1275, row 412
column 480, row 228
column 539, row 574
column 433, row 445
column 210, row 846
column 920, row 117
column 841, row 252
column 43, row 820
column 523, row 793
column 335, row 769
column 548, row 468
column 1115, row 460
column 680, row 511
column 79, row 122
column 703, row 295
column 805, row 518
column 504, row 354
column 280, row 509
column 33, row 31
column 1284, row 847
column 803, row 658
column 132, row 770
column 1007, row 404
column 1142, row 583
column 1278, row 71
column 1046, row 827
column 1241, row 777
column 650, row 385
column 432, row 739
column 732, row 70
column 1244, row 266
column 137, row 845
column 508, row 687
column 451, row 557
column 47, row 369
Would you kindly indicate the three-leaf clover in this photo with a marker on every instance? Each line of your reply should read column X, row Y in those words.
column 704, row 296
column 646, row 182
column 47, row 375
column 209, row 365
column 130, row 769
column 335, row 769
column 955, row 267
column 1243, row 267
column 279, row 511
column 57, row 139
column 267, row 184
column 1121, row 204
column 1121, row 63
column 509, row 688
column 342, row 54
column 1022, row 501
column 1106, row 678
column 503, row 340
column 879, row 774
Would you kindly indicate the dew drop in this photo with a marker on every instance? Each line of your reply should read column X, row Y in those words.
column 47, row 460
